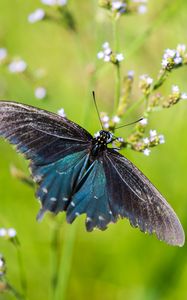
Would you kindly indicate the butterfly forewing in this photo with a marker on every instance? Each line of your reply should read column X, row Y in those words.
column 41, row 136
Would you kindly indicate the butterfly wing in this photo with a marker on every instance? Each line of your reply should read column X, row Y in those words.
column 41, row 136
column 91, row 198
column 132, row 195
column 57, row 148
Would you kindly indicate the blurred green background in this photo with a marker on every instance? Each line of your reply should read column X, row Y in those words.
column 120, row 263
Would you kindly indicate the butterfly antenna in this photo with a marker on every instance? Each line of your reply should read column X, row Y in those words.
column 94, row 99
column 129, row 123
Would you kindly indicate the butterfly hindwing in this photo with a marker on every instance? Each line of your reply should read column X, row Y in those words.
column 58, row 180
column 133, row 196
column 91, row 198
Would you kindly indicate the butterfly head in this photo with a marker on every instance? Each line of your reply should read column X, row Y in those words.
column 102, row 138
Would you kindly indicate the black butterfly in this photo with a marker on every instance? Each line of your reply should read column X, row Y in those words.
column 78, row 174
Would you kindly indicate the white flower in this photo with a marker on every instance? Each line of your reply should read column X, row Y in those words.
column 36, row 16
column 3, row 54
column 142, row 9
column 49, row 2
column 105, row 119
column 116, row 4
column 11, row 232
column 106, row 58
column 107, row 51
column 169, row 53
column 161, row 139
column 146, row 140
column 61, row 2
column 3, row 232
column 184, row 96
column 40, row 92
column 178, row 60
column 175, row 89
column 1, row 263
column 116, row 119
column 100, row 55
column 153, row 133
column 106, row 125
column 105, row 45
column 120, row 139
column 146, row 152
column 17, row 66
column 119, row 57
column 144, row 121
column 164, row 63
column 54, row 2
column 131, row 73
column 181, row 48
column 148, row 80
column 61, row 113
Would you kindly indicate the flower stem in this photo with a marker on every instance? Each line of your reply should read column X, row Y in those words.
column 65, row 264
column 117, row 66
column 13, row 291
column 145, row 98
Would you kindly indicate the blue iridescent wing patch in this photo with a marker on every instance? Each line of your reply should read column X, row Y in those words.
column 57, row 181
column 91, row 198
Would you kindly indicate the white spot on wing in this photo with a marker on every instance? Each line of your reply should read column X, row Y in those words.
column 53, row 199
column 72, row 204
column 65, row 199
column 44, row 190
column 101, row 218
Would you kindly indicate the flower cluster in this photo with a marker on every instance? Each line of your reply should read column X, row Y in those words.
column 108, row 55
column 175, row 96
column 19, row 66
column 152, row 140
column 145, row 83
column 173, row 58
column 139, row 142
column 121, row 7
column 8, row 233
column 108, row 122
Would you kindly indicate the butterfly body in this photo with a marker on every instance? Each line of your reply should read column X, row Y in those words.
column 80, row 174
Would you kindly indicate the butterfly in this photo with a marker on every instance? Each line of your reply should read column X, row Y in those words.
column 79, row 174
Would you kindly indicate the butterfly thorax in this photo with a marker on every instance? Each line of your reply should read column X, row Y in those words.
column 100, row 142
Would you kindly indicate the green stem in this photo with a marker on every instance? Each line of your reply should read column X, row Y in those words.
column 23, row 280
column 65, row 264
column 117, row 66
column 158, row 83
column 13, row 291
column 117, row 86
